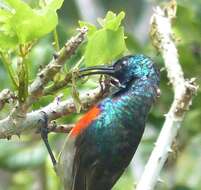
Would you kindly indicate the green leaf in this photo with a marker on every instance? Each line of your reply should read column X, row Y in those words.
column 55, row 4
column 107, row 43
column 7, row 41
column 29, row 24
column 112, row 21
column 105, row 46
column 8, row 37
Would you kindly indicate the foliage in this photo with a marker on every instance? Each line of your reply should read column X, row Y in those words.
column 21, row 24
column 100, row 47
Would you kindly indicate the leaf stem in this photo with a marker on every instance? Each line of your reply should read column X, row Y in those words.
column 56, row 40
column 7, row 64
column 23, row 75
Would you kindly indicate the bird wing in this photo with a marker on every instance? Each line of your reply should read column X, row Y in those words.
column 83, row 165
column 89, row 170
column 70, row 167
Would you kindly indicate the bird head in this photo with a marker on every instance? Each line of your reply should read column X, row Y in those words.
column 128, row 68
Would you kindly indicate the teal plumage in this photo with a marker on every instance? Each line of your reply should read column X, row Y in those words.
column 97, row 152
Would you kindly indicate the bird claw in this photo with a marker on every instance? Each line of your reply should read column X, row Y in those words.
column 44, row 131
column 44, row 128
column 116, row 83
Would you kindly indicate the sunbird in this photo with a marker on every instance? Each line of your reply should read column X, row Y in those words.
column 101, row 145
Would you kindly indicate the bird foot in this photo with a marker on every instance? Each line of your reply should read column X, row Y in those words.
column 44, row 131
column 116, row 83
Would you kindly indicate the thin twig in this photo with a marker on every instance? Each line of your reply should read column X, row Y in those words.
column 58, row 85
column 183, row 92
column 61, row 128
column 48, row 73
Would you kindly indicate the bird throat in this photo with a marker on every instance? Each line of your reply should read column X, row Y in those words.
column 133, row 103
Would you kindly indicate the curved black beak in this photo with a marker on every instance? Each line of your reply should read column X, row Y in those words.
column 95, row 70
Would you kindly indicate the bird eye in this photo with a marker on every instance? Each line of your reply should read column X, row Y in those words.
column 119, row 65
column 124, row 63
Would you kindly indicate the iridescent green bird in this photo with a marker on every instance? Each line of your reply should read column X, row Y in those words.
column 104, row 140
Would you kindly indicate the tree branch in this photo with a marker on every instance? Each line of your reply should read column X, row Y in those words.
column 61, row 128
column 48, row 73
column 183, row 91
column 58, row 85
column 12, row 126
column 6, row 96
column 36, row 89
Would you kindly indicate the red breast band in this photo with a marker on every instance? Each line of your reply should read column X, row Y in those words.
column 85, row 121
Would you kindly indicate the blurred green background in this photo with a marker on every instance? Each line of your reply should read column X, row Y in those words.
column 24, row 163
